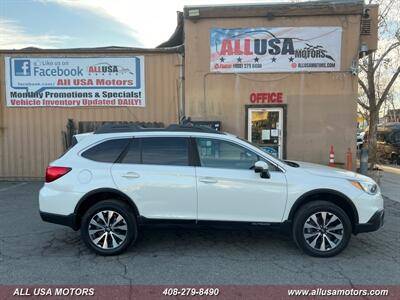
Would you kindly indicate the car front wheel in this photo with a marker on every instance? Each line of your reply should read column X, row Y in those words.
column 109, row 227
column 321, row 228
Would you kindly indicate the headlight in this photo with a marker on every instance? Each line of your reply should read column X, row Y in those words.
column 370, row 188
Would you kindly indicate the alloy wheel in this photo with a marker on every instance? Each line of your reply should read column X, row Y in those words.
column 107, row 229
column 323, row 231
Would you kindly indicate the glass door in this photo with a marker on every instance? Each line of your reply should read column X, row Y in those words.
column 265, row 127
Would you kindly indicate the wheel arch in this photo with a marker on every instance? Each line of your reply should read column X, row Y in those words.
column 330, row 195
column 92, row 197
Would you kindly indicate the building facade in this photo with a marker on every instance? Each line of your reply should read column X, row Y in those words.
column 283, row 76
column 302, row 113
column 31, row 137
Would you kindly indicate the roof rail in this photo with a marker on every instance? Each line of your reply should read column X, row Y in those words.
column 119, row 127
column 192, row 128
column 126, row 127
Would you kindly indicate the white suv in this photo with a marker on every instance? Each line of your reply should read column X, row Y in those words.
column 123, row 177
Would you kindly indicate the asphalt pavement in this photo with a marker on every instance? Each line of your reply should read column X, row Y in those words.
column 34, row 252
column 390, row 182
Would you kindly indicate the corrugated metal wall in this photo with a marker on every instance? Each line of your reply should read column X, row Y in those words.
column 32, row 137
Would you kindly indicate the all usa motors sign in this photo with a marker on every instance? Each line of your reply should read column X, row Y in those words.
column 278, row 49
column 74, row 81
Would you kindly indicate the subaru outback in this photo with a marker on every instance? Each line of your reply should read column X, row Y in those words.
column 116, row 180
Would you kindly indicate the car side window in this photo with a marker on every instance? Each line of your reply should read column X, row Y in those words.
column 107, row 151
column 171, row 151
column 133, row 153
column 223, row 154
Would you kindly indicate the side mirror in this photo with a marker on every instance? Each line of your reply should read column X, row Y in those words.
column 262, row 168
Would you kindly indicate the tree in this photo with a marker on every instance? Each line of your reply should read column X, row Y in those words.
column 379, row 71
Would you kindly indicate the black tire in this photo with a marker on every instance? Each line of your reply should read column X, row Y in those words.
column 324, row 237
column 128, row 217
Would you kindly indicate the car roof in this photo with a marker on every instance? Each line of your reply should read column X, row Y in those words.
column 129, row 127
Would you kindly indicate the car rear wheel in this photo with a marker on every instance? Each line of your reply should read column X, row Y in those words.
column 109, row 227
column 321, row 228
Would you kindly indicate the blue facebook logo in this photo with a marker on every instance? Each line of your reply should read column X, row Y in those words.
column 22, row 67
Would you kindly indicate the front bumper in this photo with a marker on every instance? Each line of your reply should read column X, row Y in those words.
column 373, row 224
column 68, row 220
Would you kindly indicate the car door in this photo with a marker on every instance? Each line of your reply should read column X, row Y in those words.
column 155, row 174
column 229, row 190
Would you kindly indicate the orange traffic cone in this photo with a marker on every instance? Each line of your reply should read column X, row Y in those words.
column 349, row 160
column 331, row 157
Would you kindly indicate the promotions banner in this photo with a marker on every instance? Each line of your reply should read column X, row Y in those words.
column 74, row 81
column 276, row 49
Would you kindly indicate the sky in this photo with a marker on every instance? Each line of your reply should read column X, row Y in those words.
column 91, row 23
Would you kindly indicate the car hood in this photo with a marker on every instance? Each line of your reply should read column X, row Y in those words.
column 321, row 170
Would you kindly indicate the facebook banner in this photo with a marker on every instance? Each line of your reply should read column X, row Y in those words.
column 74, row 81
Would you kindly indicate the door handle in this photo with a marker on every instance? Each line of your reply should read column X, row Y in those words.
column 208, row 180
column 131, row 175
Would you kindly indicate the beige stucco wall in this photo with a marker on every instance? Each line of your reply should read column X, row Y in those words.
column 31, row 137
column 321, row 107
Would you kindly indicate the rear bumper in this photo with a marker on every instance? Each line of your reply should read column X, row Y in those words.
column 373, row 224
column 68, row 220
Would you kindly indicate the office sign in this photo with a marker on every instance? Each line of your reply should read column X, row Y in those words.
column 267, row 97
column 276, row 49
column 74, row 81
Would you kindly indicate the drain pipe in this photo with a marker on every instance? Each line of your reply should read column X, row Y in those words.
column 181, row 108
column 364, row 160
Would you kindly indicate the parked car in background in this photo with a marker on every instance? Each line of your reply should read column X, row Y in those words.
column 118, row 179
column 388, row 143
column 360, row 139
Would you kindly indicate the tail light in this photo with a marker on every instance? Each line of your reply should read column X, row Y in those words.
column 53, row 173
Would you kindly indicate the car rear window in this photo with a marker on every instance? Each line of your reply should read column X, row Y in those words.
column 107, row 151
